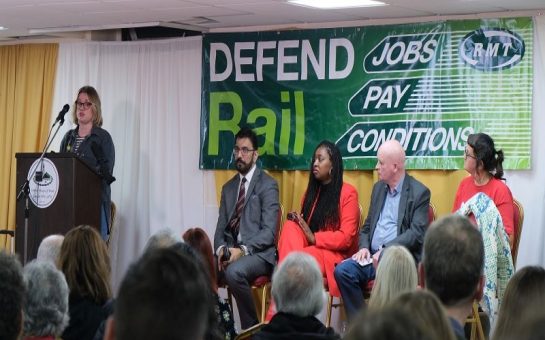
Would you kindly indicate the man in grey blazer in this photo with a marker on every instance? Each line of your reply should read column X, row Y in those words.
column 245, row 235
column 398, row 214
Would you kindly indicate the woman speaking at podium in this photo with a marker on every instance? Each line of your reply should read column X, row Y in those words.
column 93, row 145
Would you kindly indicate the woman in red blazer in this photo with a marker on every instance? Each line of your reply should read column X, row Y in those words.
column 327, row 227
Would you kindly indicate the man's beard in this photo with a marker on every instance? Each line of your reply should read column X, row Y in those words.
column 243, row 167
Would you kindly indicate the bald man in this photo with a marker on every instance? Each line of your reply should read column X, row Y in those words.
column 398, row 214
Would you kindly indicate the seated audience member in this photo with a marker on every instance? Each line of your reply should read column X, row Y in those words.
column 524, row 296
column 387, row 323
column 484, row 165
column 396, row 274
column 85, row 262
column 530, row 328
column 12, row 291
column 198, row 240
column 452, row 267
column 46, row 304
column 426, row 310
column 327, row 226
column 164, row 295
column 298, row 291
column 49, row 249
column 163, row 238
column 398, row 214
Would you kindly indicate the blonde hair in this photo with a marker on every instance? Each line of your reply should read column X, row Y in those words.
column 94, row 98
column 396, row 274
column 85, row 262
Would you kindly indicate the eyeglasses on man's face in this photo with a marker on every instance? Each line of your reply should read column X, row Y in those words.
column 82, row 105
column 244, row 150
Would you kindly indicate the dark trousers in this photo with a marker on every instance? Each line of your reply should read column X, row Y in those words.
column 239, row 277
column 351, row 277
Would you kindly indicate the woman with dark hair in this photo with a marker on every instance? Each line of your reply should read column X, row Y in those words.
column 197, row 239
column 327, row 226
column 94, row 145
column 85, row 263
column 484, row 164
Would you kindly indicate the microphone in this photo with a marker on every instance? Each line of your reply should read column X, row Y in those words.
column 60, row 117
column 103, row 169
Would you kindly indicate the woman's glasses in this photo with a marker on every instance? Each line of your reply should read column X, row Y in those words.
column 85, row 105
column 467, row 154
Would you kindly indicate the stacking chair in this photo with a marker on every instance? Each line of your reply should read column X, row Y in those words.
column 518, row 222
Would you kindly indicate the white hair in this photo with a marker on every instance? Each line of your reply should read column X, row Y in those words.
column 49, row 249
column 46, row 306
column 297, row 286
column 164, row 238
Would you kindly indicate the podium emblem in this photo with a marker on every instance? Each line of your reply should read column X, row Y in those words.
column 43, row 182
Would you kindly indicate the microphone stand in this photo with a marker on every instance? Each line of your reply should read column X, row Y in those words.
column 24, row 190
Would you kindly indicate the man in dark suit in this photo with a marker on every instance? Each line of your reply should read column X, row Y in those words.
column 244, row 240
column 398, row 214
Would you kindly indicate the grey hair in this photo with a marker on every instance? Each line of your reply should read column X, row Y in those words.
column 50, row 248
column 46, row 306
column 297, row 286
column 164, row 238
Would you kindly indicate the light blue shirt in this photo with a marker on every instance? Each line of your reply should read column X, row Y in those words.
column 386, row 229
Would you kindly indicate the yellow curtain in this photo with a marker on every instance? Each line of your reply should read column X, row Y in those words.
column 292, row 185
column 27, row 77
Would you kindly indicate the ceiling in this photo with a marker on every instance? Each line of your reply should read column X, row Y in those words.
column 36, row 19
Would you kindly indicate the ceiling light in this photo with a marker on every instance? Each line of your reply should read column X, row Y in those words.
column 2, row 28
column 331, row 4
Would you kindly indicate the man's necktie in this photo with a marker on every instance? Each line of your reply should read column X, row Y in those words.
column 235, row 220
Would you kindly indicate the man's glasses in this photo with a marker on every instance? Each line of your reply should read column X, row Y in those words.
column 85, row 105
column 245, row 151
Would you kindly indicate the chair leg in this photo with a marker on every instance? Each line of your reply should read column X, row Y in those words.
column 479, row 326
column 264, row 299
column 329, row 309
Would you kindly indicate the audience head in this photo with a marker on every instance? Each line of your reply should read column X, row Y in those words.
column 245, row 151
column 46, row 305
column 297, row 286
column 163, row 238
column 427, row 311
column 325, row 184
column 390, row 162
column 85, row 262
column 385, row 324
column 164, row 295
column 396, row 274
column 453, row 260
column 12, row 292
column 523, row 298
column 480, row 154
column 49, row 249
column 88, row 94
column 198, row 240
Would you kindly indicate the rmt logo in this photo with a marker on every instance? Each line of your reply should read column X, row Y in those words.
column 492, row 49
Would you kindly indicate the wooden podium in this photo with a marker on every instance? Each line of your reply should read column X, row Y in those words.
column 73, row 200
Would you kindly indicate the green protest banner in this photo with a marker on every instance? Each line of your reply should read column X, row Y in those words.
column 428, row 85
